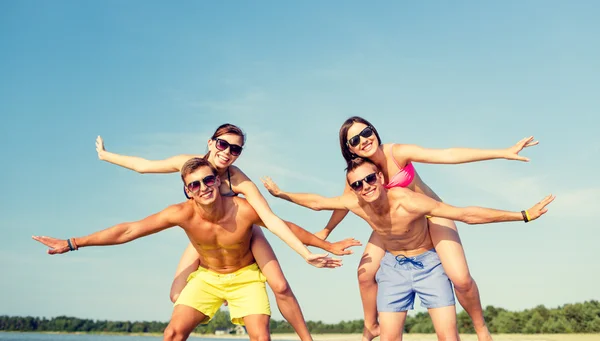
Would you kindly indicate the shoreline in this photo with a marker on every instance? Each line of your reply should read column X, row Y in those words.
column 357, row 337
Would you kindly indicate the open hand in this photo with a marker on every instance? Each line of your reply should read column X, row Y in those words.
column 323, row 261
column 512, row 153
column 271, row 186
column 100, row 147
column 540, row 208
column 339, row 248
column 56, row 246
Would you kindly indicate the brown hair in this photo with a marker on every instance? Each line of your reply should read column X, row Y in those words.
column 346, row 153
column 227, row 128
column 357, row 162
column 193, row 164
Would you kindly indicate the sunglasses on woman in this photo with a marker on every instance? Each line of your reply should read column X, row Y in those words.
column 371, row 179
column 208, row 181
column 355, row 140
column 222, row 145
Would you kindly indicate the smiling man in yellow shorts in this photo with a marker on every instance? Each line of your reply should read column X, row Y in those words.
column 220, row 230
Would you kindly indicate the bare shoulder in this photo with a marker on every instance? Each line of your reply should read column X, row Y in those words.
column 236, row 173
column 244, row 209
column 179, row 212
column 396, row 150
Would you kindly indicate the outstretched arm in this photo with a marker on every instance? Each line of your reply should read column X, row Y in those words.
column 416, row 202
column 141, row 165
column 338, row 248
column 336, row 217
column 415, row 153
column 313, row 201
column 118, row 234
column 242, row 184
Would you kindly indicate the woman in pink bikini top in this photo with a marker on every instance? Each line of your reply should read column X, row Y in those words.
column 358, row 138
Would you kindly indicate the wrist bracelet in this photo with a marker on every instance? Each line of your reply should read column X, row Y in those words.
column 525, row 216
column 70, row 246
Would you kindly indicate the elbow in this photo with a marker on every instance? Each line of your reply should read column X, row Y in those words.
column 141, row 169
column 472, row 219
column 469, row 220
column 314, row 206
column 469, row 217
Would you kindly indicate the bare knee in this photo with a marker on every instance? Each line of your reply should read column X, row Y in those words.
column 449, row 337
column 366, row 276
column 262, row 335
column 174, row 296
column 463, row 283
column 390, row 337
column 281, row 287
column 172, row 333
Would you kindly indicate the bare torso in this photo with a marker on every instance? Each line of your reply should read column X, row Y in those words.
column 223, row 244
column 401, row 231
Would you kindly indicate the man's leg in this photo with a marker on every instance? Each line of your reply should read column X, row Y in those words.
column 183, row 321
column 369, row 263
column 286, row 301
column 444, row 323
column 257, row 327
column 446, row 240
column 391, row 325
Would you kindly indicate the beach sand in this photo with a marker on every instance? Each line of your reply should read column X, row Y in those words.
column 463, row 337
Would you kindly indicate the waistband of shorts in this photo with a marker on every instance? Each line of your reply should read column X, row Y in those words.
column 252, row 266
column 390, row 258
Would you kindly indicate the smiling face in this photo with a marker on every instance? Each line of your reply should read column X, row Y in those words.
column 366, row 181
column 220, row 149
column 202, row 185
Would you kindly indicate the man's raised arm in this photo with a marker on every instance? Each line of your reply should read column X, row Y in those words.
column 416, row 202
column 118, row 234
column 313, row 201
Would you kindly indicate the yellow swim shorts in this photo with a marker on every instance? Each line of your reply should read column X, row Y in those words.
column 244, row 290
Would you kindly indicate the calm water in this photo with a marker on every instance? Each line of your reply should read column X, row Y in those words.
column 70, row 337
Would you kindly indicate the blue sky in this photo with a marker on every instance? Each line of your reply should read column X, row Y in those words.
column 155, row 80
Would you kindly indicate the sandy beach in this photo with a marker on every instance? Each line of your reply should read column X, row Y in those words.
column 464, row 337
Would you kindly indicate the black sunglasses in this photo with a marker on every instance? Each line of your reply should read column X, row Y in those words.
column 355, row 140
column 222, row 145
column 371, row 179
column 208, row 181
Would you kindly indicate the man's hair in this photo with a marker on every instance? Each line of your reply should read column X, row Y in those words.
column 357, row 162
column 193, row 164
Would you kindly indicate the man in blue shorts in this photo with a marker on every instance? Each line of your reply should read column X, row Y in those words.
column 410, row 265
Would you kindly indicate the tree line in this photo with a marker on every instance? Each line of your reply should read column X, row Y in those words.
column 569, row 318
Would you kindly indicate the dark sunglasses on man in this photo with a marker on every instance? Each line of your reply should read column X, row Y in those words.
column 208, row 181
column 371, row 179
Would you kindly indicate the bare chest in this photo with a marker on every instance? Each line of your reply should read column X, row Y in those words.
column 226, row 234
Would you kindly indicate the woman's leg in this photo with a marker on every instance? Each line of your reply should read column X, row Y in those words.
column 446, row 240
column 286, row 301
column 188, row 263
column 369, row 264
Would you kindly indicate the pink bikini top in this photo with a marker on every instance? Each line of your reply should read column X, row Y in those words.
column 404, row 176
